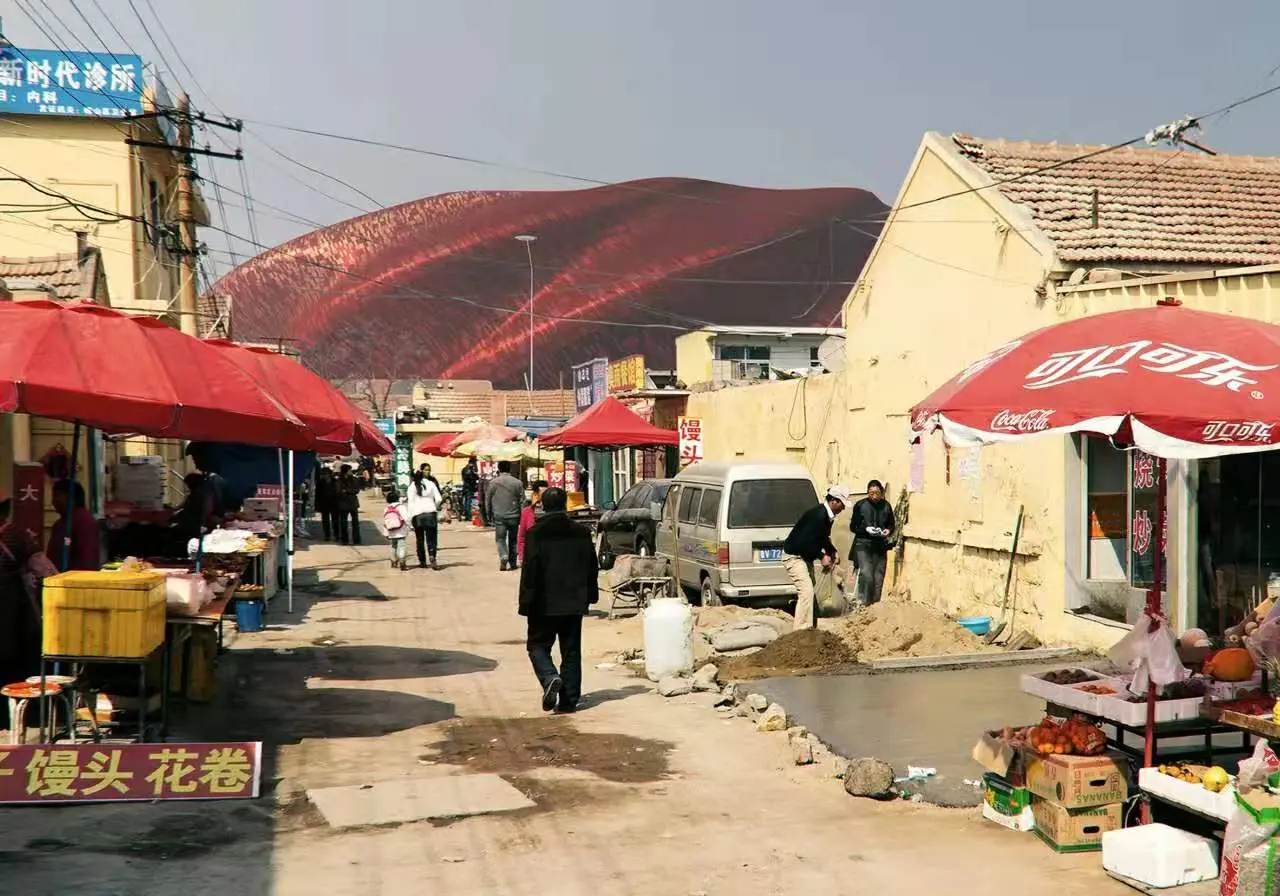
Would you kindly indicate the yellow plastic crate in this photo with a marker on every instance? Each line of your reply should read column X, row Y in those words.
column 117, row 615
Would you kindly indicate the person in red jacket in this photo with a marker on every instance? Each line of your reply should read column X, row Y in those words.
column 532, row 511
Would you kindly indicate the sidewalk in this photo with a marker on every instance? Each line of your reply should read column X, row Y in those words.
column 419, row 681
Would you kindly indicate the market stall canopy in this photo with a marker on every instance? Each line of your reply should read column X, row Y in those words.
column 1170, row 381
column 609, row 424
column 488, row 432
column 436, row 445
column 368, row 441
column 322, row 409
column 492, row 449
column 88, row 364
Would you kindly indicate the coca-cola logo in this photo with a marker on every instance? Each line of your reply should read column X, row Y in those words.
column 1036, row 420
column 1250, row 431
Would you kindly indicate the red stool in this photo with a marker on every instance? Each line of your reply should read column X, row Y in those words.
column 21, row 694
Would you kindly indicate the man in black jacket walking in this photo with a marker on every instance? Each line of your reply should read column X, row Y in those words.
column 558, row 584
column 873, row 525
column 809, row 541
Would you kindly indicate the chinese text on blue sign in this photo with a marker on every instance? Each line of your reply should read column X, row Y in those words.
column 51, row 82
column 590, row 383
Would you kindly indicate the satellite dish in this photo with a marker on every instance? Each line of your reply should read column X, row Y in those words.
column 831, row 354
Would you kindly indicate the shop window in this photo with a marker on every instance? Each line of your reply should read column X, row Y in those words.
column 1106, row 511
column 1121, row 513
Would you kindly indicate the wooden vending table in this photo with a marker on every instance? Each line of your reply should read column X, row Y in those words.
column 180, row 629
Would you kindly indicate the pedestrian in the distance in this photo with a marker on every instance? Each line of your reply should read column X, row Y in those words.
column 558, row 584
column 531, row 514
column 808, row 542
column 396, row 527
column 470, row 483
column 347, row 504
column 505, row 497
column 326, row 505
column 873, row 525
column 424, row 513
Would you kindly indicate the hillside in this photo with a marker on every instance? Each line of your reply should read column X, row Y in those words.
column 439, row 286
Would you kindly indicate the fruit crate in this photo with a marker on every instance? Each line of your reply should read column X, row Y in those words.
column 1069, row 695
column 1189, row 796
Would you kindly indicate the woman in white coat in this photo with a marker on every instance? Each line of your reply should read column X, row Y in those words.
column 423, row 504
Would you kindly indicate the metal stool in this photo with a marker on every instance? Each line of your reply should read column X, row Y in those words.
column 21, row 694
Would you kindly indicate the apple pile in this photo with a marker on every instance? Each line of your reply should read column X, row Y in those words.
column 1075, row 736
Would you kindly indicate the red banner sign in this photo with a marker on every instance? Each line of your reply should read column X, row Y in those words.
column 28, row 500
column 93, row 773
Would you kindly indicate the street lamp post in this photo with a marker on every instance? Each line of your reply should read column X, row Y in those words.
column 528, row 240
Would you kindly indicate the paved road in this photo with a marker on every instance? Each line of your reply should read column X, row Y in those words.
column 398, row 681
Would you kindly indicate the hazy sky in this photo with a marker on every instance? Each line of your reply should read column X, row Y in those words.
column 794, row 93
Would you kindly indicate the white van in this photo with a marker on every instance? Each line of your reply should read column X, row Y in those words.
column 729, row 521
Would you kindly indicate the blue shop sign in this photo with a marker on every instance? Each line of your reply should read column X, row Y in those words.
column 87, row 85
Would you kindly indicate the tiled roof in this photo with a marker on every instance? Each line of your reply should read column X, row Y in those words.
column 1153, row 205
column 544, row 403
column 70, row 276
column 458, row 406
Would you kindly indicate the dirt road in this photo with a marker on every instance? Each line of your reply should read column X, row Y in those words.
column 389, row 682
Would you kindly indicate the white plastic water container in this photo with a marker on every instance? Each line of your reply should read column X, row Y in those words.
column 1159, row 856
column 668, row 638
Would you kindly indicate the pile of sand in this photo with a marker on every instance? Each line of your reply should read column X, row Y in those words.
column 901, row 628
column 805, row 650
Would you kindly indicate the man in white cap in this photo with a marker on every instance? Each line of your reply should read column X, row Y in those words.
column 810, row 541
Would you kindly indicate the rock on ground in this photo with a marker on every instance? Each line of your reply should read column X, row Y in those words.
column 868, row 777
column 773, row 719
column 758, row 702
column 702, row 649
column 673, row 686
column 705, row 678
column 740, row 635
column 801, row 751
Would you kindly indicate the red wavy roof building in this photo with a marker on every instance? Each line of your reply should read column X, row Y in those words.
column 439, row 287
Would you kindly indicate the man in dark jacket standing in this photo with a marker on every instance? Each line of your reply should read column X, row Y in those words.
column 470, row 485
column 873, row 525
column 558, row 584
column 810, row 541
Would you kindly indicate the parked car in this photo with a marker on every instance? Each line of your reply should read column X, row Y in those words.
column 723, row 526
column 628, row 527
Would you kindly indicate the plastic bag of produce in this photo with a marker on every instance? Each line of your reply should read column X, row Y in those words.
column 1253, row 771
column 1152, row 654
column 1264, row 643
column 829, row 593
column 1250, row 858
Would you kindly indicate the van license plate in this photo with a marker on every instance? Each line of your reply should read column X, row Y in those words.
column 768, row 555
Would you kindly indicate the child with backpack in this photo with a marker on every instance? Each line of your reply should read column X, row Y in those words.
column 396, row 528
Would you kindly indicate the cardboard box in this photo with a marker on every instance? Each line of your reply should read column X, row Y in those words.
column 1024, row 822
column 1078, row 782
column 1003, row 796
column 1075, row 830
column 999, row 758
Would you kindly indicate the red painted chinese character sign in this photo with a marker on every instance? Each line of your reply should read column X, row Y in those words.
column 120, row 773
column 1144, row 511
column 28, row 500
column 690, row 429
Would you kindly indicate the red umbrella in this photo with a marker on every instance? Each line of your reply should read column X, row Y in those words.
column 436, row 445
column 609, row 424
column 85, row 363
column 1173, row 382
column 336, row 424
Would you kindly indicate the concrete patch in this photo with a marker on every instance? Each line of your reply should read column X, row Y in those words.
column 392, row 802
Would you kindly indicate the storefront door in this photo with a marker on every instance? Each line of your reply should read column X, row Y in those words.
column 1238, row 535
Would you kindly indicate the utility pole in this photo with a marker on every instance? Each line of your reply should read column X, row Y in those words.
column 188, row 254
column 528, row 240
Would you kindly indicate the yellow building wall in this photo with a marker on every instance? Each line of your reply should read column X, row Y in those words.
column 89, row 161
column 694, row 357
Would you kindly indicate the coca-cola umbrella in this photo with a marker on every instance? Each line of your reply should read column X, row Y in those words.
column 1172, row 382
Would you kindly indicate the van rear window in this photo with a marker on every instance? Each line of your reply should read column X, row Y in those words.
column 769, row 503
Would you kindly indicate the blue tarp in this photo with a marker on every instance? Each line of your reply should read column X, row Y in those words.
column 245, row 467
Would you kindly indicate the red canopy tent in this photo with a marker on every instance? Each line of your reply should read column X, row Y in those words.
column 88, row 364
column 337, row 425
column 609, row 424
column 436, row 445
